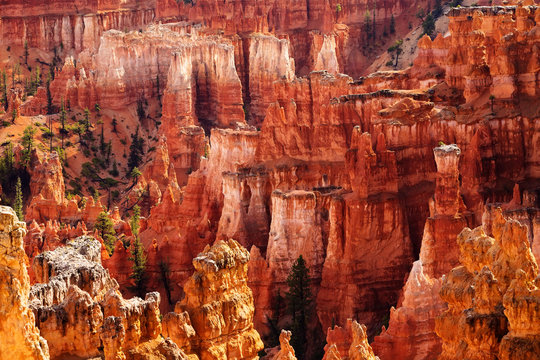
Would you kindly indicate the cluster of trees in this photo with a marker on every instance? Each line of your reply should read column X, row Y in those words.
column 105, row 228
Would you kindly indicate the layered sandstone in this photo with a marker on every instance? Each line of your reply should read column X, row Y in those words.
column 20, row 338
column 70, row 26
column 477, row 55
column 486, row 296
column 370, row 218
column 80, row 311
column 215, row 319
column 411, row 328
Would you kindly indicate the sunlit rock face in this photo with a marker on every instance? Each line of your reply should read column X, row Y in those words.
column 349, row 342
column 492, row 297
column 80, row 312
column 20, row 336
column 215, row 319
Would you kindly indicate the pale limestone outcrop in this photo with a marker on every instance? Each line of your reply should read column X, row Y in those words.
column 71, row 327
column 269, row 61
column 80, row 311
column 296, row 229
column 78, row 263
column 20, row 339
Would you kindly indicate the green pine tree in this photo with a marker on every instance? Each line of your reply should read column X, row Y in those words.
column 135, row 219
column 138, row 269
column 136, row 150
column 392, row 25
column 18, row 202
column 28, row 145
column 299, row 304
column 105, row 228
column 26, row 52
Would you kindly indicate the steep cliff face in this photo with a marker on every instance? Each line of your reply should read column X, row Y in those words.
column 47, row 188
column 296, row 20
column 269, row 61
column 493, row 297
column 69, row 26
column 20, row 337
column 439, row 252
column 411, row 329
column 215, row 319
column 296, row 229
column 370, row 218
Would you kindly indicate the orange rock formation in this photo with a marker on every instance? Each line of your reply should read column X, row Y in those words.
column 20, row 337
column 349, row 342
column 215, row 319
column 493, row 299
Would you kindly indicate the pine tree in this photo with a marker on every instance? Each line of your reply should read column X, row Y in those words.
column 135, row 173
column 96, row 195
column 437, row 10
column 374, row 24
column 38, row 77
column 18, row 202
column 4, row 90
column 397, row 49
column 392, row 25
column 49, row 96
column 28, row 145
column 85, row 122
column 299, row 304
column 158, row 89
column 134, row 221
column 138, row 269
column 367, row 25
column 491, row 100
column 428, row 25
column 26, row 52
column 136, row 150
column 114, row 172
column 105, row 227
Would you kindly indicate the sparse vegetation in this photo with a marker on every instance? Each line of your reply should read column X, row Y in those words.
column 138, row 257
column 105, row 228
column 396, row 49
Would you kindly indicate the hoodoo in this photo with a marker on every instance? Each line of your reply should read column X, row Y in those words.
column 269, row 179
